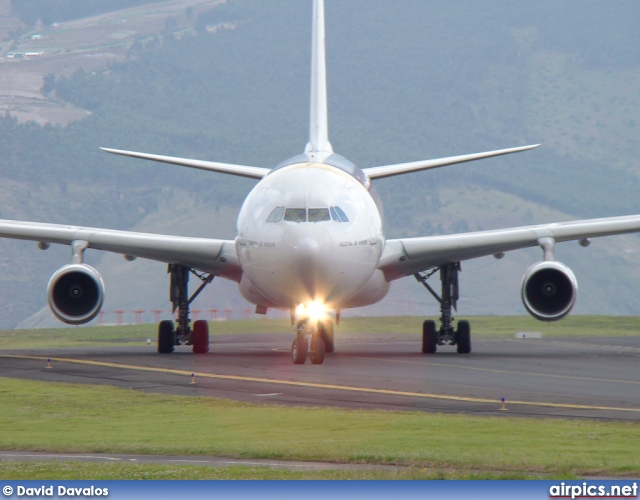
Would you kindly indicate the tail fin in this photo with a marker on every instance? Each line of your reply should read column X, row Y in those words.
column 319, row 127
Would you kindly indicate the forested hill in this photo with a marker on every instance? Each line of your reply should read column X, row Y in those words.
column 408, row 80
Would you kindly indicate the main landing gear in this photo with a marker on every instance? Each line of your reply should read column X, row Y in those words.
column 313, row 339
column 448, row 299
column 182, row 334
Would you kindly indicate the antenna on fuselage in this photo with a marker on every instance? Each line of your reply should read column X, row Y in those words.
column 319, row 126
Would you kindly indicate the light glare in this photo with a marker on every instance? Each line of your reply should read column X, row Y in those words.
column 315, row 311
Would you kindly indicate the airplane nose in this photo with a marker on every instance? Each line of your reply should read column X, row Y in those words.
column 309, row 254
column 306, row 248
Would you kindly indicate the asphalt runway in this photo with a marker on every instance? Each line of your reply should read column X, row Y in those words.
column 594, row 378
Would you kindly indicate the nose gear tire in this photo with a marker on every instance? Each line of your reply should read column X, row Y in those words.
column 299, row 350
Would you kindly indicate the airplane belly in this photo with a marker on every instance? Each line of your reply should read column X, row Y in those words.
column 374, row 290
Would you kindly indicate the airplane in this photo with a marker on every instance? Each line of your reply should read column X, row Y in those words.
column 311, row 241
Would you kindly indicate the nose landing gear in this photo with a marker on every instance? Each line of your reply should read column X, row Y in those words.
column 313, row 340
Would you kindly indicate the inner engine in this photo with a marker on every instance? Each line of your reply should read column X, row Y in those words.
column 75, row 293
column 549, row 290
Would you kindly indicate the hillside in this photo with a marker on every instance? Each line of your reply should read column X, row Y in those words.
column 407, row 81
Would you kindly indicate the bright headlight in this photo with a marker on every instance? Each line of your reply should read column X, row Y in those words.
column 315, row 311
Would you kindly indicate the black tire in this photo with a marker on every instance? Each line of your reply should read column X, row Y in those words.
column 463, row 337
column 316, row 354
column 166, row 337
column 299, row 350
column 429, row 337
column 200, row 337
column 325, row 328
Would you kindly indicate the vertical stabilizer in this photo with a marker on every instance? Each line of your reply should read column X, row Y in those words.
column 319, row 128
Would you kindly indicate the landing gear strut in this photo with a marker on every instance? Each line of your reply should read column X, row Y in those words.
column 198, row 337
column 448, row 299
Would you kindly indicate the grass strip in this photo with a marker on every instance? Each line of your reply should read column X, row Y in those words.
column 54, row 417
column 484, row 326
column 48, row 470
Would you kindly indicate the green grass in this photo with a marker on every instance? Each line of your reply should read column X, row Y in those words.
column 92, row 419
column 46, row 470
column 488, row 326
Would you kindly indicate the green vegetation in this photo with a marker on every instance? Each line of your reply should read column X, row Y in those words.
column 483, row 326
column 242, row 96
column 126, row 471
column 71, row 418
column 505, row 326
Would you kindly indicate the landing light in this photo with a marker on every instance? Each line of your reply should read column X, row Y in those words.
column 315, row 311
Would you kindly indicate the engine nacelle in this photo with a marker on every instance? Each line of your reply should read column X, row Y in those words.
column 75, row 293
column 549, row 290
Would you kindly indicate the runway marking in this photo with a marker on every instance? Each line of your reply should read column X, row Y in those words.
column 491, row 370
column 509, row 372
column 606, row 347
column 187, row 373
column 56, row 456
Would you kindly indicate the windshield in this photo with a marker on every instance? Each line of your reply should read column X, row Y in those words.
column 311, row 215
column 295, row 214
column 319, row 214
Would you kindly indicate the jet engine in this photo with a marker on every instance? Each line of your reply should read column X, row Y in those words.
column 75, row 293
column 549, row 290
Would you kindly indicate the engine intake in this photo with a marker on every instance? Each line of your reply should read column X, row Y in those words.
column 549, row 290
column 75, row 293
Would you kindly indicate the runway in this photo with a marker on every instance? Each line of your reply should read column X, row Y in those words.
column 594, row 378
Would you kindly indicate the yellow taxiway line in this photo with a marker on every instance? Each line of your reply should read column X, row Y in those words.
column 314, row 385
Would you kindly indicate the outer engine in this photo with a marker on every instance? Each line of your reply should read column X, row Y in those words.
column 75, row 293
column 549, row 290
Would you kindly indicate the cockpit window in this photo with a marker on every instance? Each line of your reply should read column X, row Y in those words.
column 338, row 215
column 334, row 215
column 319, row 214
column 311, row 214
column 295, row 214
column 276, row 214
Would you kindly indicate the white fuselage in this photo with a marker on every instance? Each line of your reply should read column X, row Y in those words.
column 310, row 232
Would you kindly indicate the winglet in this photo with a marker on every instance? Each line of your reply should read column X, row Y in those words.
column 319, row 127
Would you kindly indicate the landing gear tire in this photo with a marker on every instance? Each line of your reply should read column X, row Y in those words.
column 463, row 337
column 429, row 337
column 200, row 337
column 299, row 350
column 316, row 353
column 166, row 337
column 325, row 329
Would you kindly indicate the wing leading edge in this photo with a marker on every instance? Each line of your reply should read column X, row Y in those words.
column 215, row 256
column 407, row 256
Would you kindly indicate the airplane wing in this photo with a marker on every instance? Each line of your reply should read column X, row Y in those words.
column 404, row 168
column 217, row 257
column 225, row 168
column 407, row 256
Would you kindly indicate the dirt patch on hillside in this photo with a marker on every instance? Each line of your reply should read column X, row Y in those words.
column 90, row 43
